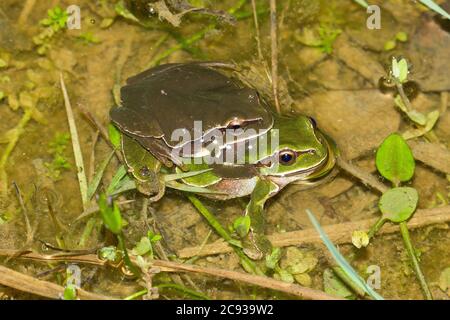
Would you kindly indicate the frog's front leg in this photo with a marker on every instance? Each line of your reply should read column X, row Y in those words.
column 257, row 244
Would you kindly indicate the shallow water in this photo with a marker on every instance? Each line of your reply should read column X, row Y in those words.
column 333, row 77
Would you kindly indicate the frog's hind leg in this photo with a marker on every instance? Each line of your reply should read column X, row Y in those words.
column 160, row 194
column 161, row 151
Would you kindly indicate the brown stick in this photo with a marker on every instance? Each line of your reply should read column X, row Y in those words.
column 26, row 283
column 274, row 49
column 169, row 266
column 257, row 37
column 266, row 282
column 338, row 233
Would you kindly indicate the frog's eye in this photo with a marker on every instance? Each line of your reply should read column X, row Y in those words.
column 287, row 157
column 313, row 122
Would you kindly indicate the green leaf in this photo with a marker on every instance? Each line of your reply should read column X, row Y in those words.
column 403, row 69
column 142, row 247
column 273, row 258
column 431, row 119
column 362, row 3
column 98, row 176
column 121, row 10
column 242, row 225
column 114, row 135
column 394, row 159
column 435, row 7
column 109, row 253
column 110, row 213
column 70, row 292
column 398, row 204
column 284, row 276
column 401, row 36
column 333, row 285
column 400, row 70
column 115, row 181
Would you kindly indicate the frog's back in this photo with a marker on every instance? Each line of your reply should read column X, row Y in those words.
column 165, row 98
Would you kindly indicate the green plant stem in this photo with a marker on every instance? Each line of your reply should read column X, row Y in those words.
column 136, row 295
column 126, row 257
column 402, row 94
column 346, row 279
column 81, row 172
column 412, row 255
column 377, row 226
column 224, row 234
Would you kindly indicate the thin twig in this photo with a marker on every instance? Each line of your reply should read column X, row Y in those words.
column 81, row 172
column 103, row 132
column 257, row 36
column 403, row 95
column 274, row 49
column 92, row 156
column 170, row 266
column 338, row 233
column 444, row 102
column 26, row 10
column 25, row 213
column 365, row 177
column 26, row 283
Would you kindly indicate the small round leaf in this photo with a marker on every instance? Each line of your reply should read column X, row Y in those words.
column 398, row 204
column 395, row 160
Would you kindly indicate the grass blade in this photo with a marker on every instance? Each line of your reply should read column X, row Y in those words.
column 346, row 267
column 362, row 3
column 98, row 176
column 120, row 173
column 435, row 7
column 81, row 172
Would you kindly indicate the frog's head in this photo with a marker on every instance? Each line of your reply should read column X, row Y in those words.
column 301, row 152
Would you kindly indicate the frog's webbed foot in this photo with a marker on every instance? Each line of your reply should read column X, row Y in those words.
column 256, row 246
column 154, row 189
column 160, row 194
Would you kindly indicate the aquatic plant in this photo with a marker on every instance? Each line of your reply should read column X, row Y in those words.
column 57, row 148
column 56, row 19
column 398, row 74
column 54, row 23
column 395, row 162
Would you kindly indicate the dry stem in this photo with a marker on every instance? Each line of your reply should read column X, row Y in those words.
column 23, row 282
column 338, row 233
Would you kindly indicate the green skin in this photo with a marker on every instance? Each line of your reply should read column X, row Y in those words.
column 315, row 159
